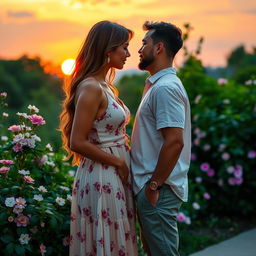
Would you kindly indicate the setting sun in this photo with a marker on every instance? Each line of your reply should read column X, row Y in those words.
column 68, row 66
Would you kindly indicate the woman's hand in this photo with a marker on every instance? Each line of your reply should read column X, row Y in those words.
column 123, row 171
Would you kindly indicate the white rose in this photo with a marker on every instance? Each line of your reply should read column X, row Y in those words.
column 24, row 238
column 23, row 172
column 48, row 146
column 10, row 201
column 42, row 189
column 33, row 108
column 4, row 138
column 60, row 201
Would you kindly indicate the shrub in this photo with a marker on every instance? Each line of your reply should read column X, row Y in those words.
column 222, row 175
column 34, row 191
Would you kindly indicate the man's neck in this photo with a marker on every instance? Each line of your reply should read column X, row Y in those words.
column 157, row 66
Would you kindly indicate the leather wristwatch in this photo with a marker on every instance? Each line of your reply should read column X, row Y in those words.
column 153, row 185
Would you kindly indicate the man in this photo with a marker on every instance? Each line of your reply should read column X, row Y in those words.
column 161, row 141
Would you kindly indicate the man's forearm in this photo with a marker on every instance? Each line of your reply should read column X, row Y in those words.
column 167, row 159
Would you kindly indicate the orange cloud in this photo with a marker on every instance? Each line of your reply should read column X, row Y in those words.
column 55, row 29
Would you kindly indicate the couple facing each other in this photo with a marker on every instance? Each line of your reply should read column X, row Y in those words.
column 110, row 177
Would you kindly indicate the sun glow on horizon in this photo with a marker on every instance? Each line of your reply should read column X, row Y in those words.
column 68, row 66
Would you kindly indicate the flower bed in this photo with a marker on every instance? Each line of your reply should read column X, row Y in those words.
column 35, row 191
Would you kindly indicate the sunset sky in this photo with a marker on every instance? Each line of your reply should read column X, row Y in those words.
column 55, row 29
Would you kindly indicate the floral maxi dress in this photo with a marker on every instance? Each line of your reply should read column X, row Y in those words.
column 102, row 212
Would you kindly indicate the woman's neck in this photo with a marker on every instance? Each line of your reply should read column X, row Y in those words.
column 101, row 75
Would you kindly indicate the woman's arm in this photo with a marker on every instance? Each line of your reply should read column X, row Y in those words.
column 90, row 102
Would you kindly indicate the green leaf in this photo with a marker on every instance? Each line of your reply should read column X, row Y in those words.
column 19, row 250
column 49, row 212
column 5, row 190
column 28, row 247
column 34, row 219
column 3, row 217
column 6, row 239
column 53, row 223
column 10, row 248
column 13, row 188
column 21, row 230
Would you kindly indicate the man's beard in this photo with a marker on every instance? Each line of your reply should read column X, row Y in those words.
column 145, row 62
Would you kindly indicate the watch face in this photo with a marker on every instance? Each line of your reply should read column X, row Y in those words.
column 153, row 185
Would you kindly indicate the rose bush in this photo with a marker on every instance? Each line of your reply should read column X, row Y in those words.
column 35, row 183
column 35, row 190
column 222, row 176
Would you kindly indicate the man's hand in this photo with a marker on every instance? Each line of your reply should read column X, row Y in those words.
column 151, row 195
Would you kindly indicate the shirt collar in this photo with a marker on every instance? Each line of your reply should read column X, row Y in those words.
column 159, row 74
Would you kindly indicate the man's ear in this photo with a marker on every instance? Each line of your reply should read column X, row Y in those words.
column 159, row 47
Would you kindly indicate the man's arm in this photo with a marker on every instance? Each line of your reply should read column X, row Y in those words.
column 168, row 157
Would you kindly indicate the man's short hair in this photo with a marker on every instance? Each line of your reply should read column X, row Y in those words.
column 169, row 34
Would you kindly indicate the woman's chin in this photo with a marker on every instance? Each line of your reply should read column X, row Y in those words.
column 120, row 66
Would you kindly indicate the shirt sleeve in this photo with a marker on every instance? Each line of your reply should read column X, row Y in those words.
column 168, row 107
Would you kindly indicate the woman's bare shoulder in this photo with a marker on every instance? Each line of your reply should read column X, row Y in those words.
column 89, row 86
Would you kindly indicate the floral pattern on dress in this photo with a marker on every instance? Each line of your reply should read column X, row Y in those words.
column 102, row 215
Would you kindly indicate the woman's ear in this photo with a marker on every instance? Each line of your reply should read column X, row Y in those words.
column 108, row 57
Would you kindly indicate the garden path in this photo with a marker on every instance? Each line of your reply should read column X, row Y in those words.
column 243, row 244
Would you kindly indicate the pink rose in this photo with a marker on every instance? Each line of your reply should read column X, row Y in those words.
column 3, row 94
column 239, row 181
column 29, row 180
column 6, row 162
column 42, row 249
column 222, row 81
column 17, row 147
column 207, row 196
column 210, row 172
column 36, row 119
column 225, row 156
column 238, row 173
column 252, row 154
column 10, row 219
column 14, row 128
column 232, row 181
column 4, row 169
column 21, row 202
column 193, row 157
column 198, row 179
column 21, row 220
column 205, row 167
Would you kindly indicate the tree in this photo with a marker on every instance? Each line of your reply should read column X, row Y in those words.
column 26, row 83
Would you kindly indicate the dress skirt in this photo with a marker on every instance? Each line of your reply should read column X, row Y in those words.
column 102, row 212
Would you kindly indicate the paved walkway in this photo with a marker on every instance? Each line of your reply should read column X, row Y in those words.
column 243, row 244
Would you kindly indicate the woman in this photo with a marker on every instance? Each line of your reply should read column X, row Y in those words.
column 93, row 130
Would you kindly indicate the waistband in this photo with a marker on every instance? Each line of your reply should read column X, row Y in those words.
column 110, row 144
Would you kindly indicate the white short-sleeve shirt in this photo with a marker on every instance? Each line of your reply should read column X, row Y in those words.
column 165, row 104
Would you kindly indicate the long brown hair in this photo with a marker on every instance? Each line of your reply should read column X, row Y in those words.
column 103, row 37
